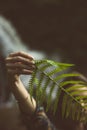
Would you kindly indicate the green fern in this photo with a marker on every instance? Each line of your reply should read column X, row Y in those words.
column 51, row 75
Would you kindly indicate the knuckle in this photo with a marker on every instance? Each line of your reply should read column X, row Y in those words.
column 18, row 58
column 19, row 52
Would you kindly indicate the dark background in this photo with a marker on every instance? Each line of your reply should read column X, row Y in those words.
column 51, row 26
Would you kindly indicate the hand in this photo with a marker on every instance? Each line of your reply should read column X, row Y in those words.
column 20, row 63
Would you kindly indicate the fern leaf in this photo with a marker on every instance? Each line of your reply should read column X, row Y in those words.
column 31, row 83
column 82, row 97
column 50, row 96
column 54, row 71
column 65, row 76
column 77, row 92
column 57, row 64
column 69, row 108
column 75, row 108
column 74, row 87
column 56, row 100
column 47, row 82
column 50, row 74
column 38, row 92
column 78, row 114
column 68, row 82
column 64, row 104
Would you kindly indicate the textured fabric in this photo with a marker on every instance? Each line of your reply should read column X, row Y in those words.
column 39, row 121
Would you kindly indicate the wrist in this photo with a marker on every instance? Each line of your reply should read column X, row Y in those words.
column 13, row 78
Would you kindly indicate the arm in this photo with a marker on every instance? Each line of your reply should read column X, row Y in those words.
column 21, row 63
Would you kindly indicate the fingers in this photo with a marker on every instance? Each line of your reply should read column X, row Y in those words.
column 18, row 71
column 22, row 54
column 20, row 60
column 19, row 66
column 20, row 63
column 20, row 57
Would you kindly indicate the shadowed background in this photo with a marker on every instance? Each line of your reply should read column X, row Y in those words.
column 51, row 26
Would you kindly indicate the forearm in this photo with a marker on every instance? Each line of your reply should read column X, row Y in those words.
column 22, row 96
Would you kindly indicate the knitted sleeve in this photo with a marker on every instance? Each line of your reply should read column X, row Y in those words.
column 39, row 121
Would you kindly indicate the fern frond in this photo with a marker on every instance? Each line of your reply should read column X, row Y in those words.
column 51, row 75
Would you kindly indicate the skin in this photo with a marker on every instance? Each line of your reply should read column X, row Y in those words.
column 20, row 63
